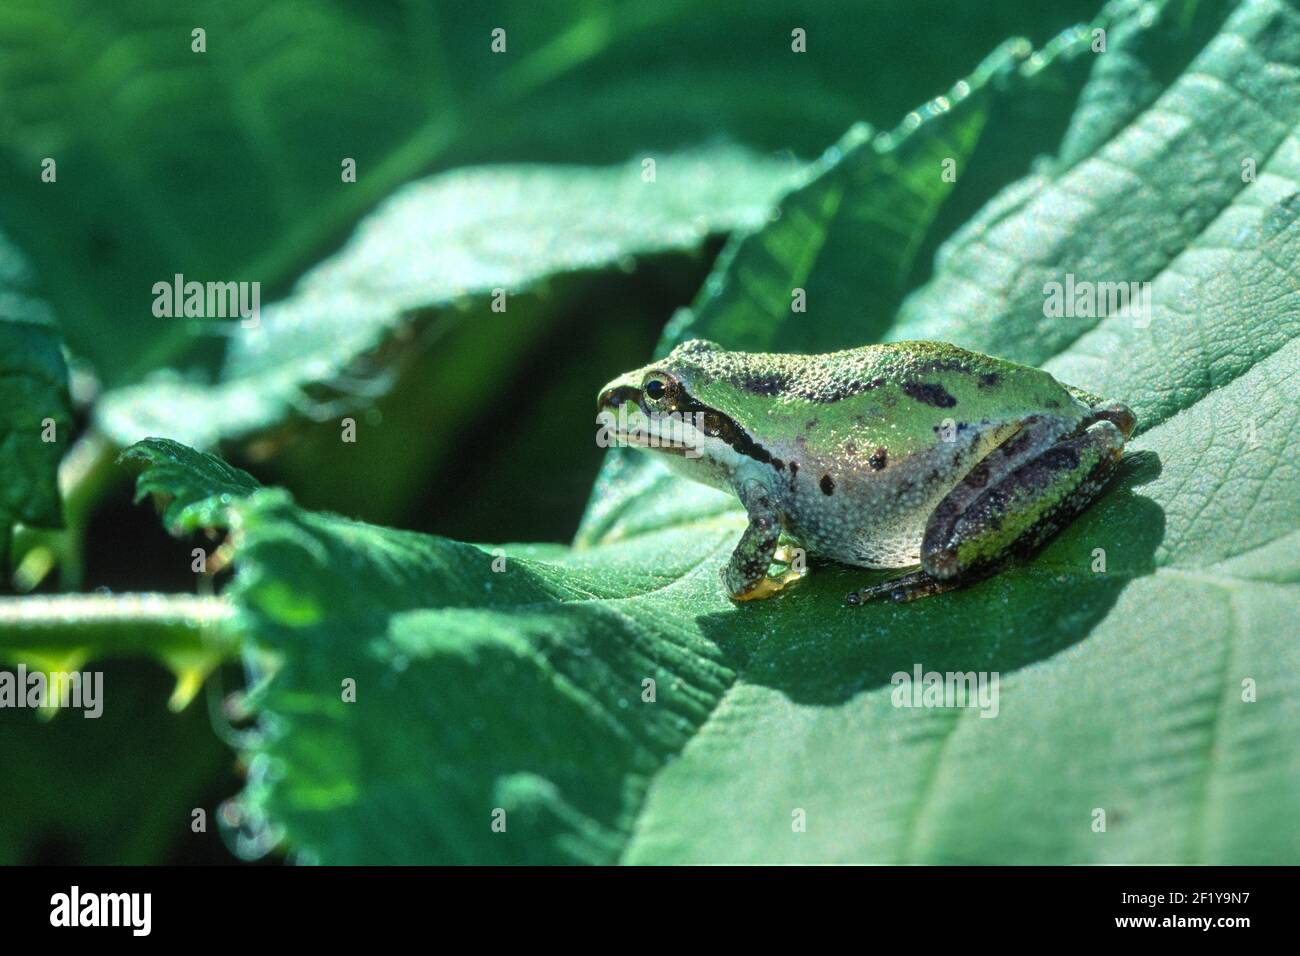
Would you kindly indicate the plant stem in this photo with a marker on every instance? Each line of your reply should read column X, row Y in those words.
column 189, row 635
column 61, row 610
column 115, row 624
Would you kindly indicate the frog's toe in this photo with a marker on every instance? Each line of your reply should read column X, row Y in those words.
column 767, row 586
column 869, row 593
column 908, row 587
column 1117, row 413
column 784, row 554
column 789, row 554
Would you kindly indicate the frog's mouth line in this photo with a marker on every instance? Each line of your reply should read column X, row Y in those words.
column 718, row 425
column 682, row 438
column 632, row 440
column 673, row 432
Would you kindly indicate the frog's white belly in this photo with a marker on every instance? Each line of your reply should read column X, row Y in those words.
column 877, row 533
column 875, row 519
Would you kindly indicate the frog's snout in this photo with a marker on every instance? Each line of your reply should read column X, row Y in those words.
column 611, row 397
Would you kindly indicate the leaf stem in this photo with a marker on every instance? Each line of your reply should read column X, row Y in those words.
column 186, row 633
column 62, row 610
column 116, row 624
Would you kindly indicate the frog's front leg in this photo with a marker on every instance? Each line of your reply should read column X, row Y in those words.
column 1010, row 503
column 745, row 575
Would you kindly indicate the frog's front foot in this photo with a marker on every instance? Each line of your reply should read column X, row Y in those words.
column 790, row 555
column 766, row 586
column 746, row 575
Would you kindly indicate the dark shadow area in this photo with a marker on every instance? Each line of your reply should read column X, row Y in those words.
column 120, row 788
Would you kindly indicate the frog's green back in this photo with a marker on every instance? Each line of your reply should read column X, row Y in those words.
column 895, row 394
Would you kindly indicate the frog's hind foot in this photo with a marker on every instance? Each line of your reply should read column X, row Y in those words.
column 919, row 583
column 909, row 587
column 1117, row 413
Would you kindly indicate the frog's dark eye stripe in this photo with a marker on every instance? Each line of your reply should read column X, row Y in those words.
column 718, row 425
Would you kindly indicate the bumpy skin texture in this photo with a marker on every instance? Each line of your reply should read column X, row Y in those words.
column 888, row 455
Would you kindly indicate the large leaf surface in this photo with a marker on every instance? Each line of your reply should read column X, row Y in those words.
column 522, row 688
column 491, row 232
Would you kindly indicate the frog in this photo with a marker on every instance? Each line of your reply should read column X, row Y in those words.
column 939, row 463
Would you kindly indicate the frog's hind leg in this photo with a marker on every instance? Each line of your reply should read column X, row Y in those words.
column 1017, row 497
column 1031, row 439
column 1026, row 507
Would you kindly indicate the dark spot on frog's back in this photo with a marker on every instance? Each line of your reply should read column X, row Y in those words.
column 879, row 458
column 928, row 393
column 827, row 485
column 989, row 379
column 843, row 390
column 770, row 383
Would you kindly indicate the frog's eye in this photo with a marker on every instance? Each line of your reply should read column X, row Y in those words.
column 655, row 389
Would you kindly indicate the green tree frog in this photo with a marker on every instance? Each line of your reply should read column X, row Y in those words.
column 916, row 455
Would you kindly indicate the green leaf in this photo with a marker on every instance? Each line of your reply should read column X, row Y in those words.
column 189, row 635
column 496, row 231
column 1162, row 690
column 194, row 487
column 1200, row 536
column 1165, row 200
column 849, row 238
column 35, row 404
column 64, row 631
